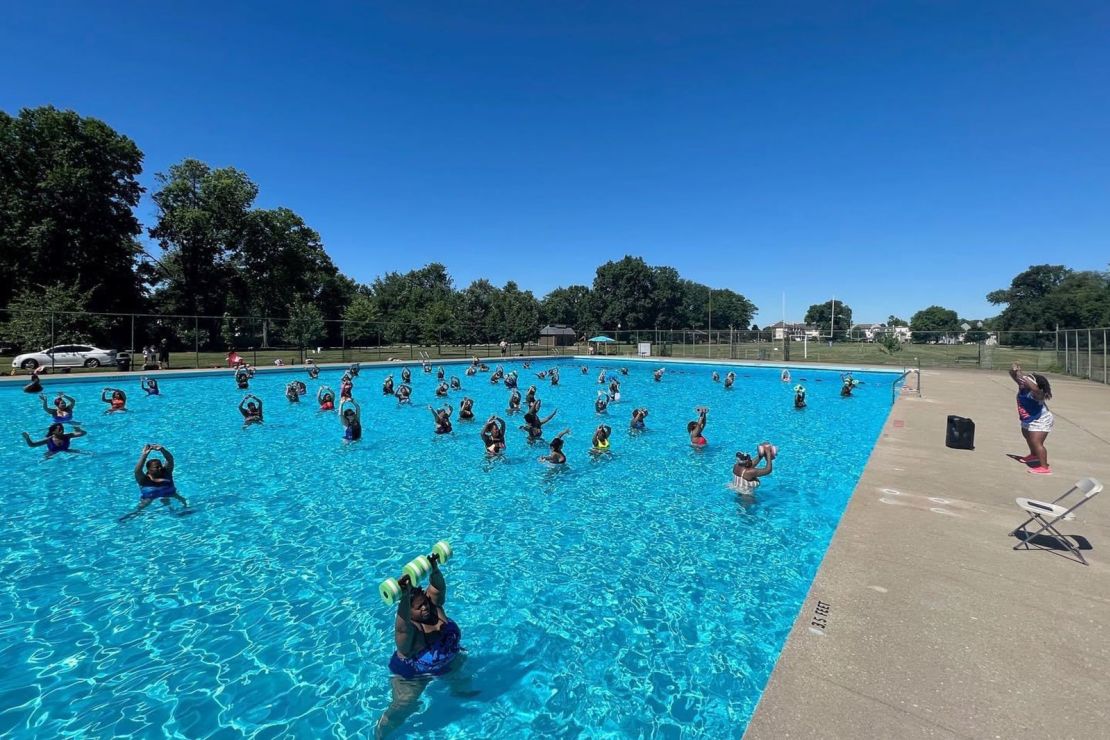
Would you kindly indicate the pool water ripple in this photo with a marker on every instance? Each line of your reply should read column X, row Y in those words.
column 631, row 593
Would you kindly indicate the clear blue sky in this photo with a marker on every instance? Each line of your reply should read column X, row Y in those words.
column 895, row 154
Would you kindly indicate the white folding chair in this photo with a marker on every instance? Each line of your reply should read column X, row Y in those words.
column 1047, row 514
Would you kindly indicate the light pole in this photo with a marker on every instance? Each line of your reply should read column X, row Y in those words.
column 711, row 323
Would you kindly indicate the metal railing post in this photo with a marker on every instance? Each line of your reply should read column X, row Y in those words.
column 196, row 341
column 1088, row 354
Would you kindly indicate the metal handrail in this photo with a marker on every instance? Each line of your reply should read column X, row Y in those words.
column 894, row 385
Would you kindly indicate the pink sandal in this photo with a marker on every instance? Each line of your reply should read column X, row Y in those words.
column 1041, row 470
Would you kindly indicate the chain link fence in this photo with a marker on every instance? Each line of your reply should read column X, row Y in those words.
column 211, row 341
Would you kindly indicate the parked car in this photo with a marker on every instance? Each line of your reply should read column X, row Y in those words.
column 66, row 355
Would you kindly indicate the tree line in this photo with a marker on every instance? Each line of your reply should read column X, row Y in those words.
column 70, row 242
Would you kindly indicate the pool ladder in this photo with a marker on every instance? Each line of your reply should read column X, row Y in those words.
column 894, row 386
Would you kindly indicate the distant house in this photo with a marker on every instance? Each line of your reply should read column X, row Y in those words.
column 875, row 332
column 556, row 336
column 794, row 331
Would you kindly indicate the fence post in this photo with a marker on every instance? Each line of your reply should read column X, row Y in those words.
column 132, row 365
column 1088, row 354
column 196, row 341
column 52, row 342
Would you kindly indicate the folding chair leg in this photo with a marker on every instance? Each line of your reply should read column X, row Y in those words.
column 1055, row 533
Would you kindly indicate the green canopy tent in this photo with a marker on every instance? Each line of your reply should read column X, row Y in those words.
column 601, row 339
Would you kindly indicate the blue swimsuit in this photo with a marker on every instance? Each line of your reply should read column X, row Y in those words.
column 158, row 490
column 433, row 660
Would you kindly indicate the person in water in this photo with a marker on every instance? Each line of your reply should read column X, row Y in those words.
column 624, row 371
column 427, row 644
column 150, row 385
column 346, row 387
column 34, row 385
column 291, row 393
column 514, row 401
column 696, row 427
column 799, row 397
column 251, row 410
column 1036, row 420
column 785, row 375
column 716, row 377
column 530, row 396
column 115, row 398
column 554, row 376
column 57, row 439
column 730, row 378
column 406, row 375
column 601, row 403
column 313, row 371
column 353, row 370
column 404, row 393
column 387, row 386
column 637, row 423
column 658, row 374
column 242, row 378
column 555, row 454
column 614, row 390
column 472, row 371
column 493, row 435
column 533, row 424
column 62, row 409
column 585, row 370
column 466, row 409
column 745, row 474
column 155, row 480
column 440, row 373
column 442, row 418
column 301, row 387
column 601, row 377
column 442, row 389
column 326, row 398
column 350, row 416
column 849, row 384
column 456, row 384
column 601, row 438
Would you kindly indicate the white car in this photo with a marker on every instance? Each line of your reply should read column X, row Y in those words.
column 66, row 355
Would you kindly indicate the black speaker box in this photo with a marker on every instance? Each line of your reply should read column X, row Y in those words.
column 961, row 433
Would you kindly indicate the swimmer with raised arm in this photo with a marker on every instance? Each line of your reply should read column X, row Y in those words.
column 555, row 454
column 729, row 380
column 57, row 439
column 849, row 384
column 350, row 416
column 353, row 370
column 511, row 380
column 493, row 435
column 466, row 409
column 251, row 410
column 387, row 386
column 614, row 390
column 533, row 424
column 291, row 393
column 115, row 398
column 601, row 438
column 150, row 385
column 799, row 397
column 325, row 397
column 553, row 376
column 658, row 374
column 441, row 390
column 456, row 384
column 601, row 403
column 745, row 474
column 406, row 375
column 427, row 643
column 313, row 371
column 716, row 377
column 155, row 480
column 530, row 396
column 637, row 424
column 514, row 401
column 696, row 427
column 442, row 418
column 62, row 408
column 404, row 394
column 242, row 378
column 346, row 387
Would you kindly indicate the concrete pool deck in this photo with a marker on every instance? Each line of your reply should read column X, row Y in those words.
column 934, row 626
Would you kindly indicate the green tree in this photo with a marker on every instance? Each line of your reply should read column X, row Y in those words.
column 623, row 293
column 67, row 189
column 821, row 315
column 929, row 323
column 570, row 306
column 479, row 311
column 53, row 313
column 203, row 217
column 1025, row 299
column 893, row 320
column 305, row 324
column 362, row 317
column 521, row 312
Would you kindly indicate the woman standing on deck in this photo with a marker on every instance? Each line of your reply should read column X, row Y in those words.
column 1036, row 419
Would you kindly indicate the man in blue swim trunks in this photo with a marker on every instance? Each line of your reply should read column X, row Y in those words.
column 155, row 480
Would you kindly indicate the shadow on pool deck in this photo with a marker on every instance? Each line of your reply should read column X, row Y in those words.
column 931, row 624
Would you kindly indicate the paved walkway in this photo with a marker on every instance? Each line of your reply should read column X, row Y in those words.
column 935, row 627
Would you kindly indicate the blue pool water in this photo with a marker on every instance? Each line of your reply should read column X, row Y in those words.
column 633, row 594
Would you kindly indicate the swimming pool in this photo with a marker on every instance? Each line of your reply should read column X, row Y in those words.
column 632, row 594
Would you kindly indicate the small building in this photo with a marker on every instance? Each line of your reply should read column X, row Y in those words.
column 557, row 335
column 797, row 332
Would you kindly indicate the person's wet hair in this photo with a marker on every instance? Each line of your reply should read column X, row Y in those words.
column 1043, row 385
